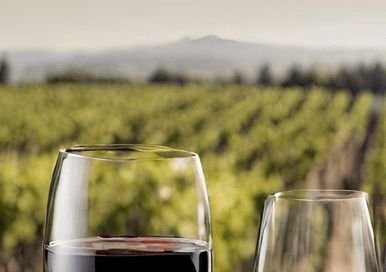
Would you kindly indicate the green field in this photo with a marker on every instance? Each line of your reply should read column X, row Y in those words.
column 252, row 142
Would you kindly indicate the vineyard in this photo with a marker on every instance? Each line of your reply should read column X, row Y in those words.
column 252, row 142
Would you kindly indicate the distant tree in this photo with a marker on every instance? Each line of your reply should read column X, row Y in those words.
column 4, row 71
column 362, row 75
column 294, row 77
column 74, row 75
column 348, row 79
column 377, row 78
column 162, row 75
column 264, row 77
column 310, row 78
column 238, row 78
column 339, row 79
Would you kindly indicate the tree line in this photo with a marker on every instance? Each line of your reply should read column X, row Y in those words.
column 354, row 79
column 4, row 71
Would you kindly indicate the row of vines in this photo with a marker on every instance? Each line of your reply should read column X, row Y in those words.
column 252, row 142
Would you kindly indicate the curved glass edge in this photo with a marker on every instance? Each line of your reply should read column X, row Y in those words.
column 51, row 197
column 262, row 232
column 204, row 213
column 133, row 152
column 320, row 195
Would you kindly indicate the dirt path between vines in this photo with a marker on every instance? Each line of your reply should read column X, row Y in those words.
column 345, row 169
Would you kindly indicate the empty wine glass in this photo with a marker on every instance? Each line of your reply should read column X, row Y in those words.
column 133, row 208
column 316, row 231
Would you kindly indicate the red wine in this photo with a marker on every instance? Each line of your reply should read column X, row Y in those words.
column 128, row 254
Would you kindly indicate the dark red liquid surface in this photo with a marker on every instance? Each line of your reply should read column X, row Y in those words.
column 128, row 255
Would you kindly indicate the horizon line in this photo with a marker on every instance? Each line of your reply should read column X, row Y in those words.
column 330, row 47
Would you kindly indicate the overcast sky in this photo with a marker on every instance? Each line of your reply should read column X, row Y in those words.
column 102, row 24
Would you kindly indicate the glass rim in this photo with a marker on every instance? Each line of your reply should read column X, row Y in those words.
column 110, row 152
column 320, row 195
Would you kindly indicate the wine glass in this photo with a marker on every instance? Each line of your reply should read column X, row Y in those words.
column 127, row 207
column 316, row 231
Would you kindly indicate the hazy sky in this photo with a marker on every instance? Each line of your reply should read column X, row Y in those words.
column 101, row 24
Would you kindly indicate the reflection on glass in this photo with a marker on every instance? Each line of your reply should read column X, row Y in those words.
column 316, row 231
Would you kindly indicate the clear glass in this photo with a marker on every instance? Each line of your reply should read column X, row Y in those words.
column 316, row 231
column 127, row 208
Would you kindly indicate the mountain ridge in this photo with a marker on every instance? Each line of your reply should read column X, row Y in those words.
column 209, row 56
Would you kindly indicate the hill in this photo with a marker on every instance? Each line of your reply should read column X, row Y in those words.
column 205, row 57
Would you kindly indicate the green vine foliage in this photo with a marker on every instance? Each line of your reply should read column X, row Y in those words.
column 252, row 142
